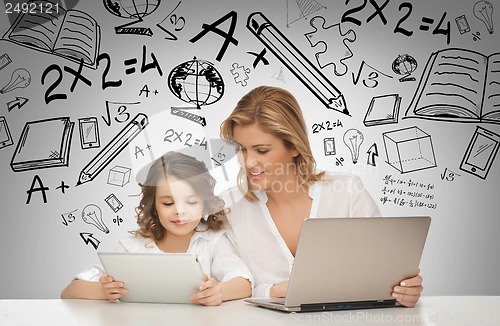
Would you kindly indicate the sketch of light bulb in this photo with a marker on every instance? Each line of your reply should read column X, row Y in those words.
column 483, row 10
column 20, row 78
column 92, row 214
column 353, row 138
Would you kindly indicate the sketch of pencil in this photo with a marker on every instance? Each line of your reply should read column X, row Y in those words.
column 113, row 148
column 296, row 62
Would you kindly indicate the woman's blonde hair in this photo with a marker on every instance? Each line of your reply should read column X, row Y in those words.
column 181, row 167
column 276, row 111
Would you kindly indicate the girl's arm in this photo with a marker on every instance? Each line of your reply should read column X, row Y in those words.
column 93, row 283
column 227, row 266
column 105, row 289
column 80, row 289
column 237, row 288
column 213, row 293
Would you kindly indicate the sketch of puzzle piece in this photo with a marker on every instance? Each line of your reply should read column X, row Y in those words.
column 332, row 39
column 240, row 74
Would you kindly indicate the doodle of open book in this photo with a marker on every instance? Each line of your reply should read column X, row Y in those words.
column 458, row 85
column 43, row 144
column 74, row 35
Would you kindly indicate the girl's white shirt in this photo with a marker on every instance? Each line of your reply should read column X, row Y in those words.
column 216, row 254
column 258, row 241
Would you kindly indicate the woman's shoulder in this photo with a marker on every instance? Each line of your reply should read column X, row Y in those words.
column 330, row 176
column 236, row 202
column 338, row 183
column 232, row 196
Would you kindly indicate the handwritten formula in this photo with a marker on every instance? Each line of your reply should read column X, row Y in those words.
column 408, row 193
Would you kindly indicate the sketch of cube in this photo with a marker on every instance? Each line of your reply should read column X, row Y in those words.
column 409, row 149
column 119, row 176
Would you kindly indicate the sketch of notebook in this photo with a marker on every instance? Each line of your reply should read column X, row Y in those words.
column 458, row 85
column 74, row 35
column 43, row 144
column 383, row 109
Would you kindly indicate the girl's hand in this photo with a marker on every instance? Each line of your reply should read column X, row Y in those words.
column 112, row 290
column 210, row 293
column 408, row 291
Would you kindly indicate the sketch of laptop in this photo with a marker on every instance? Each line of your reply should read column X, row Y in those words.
column 351, row 263
column 154, row 277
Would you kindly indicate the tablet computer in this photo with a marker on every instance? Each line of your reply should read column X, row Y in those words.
column 154, row 277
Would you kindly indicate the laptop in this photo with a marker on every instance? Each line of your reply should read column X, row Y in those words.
column 351, row 263
column 154, row 277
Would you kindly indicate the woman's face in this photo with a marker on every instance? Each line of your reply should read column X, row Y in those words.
column 268, row 163
column 178, row 206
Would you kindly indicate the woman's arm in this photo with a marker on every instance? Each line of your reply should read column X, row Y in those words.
column 278, row 290
column 408, row 291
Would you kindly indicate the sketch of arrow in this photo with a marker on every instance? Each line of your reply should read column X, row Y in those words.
column 89, row 238
column 372, row 152
column 18, row 102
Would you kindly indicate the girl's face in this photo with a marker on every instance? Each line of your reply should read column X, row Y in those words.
column 269, row 164
column 178, row 206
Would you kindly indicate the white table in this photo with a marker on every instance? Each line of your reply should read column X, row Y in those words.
column 450, row 311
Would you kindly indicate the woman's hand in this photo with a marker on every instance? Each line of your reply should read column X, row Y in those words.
column 408, row 291
column 210, row 293
column 278, row 290
column 112, row 289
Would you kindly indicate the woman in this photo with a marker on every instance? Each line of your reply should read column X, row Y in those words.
column 282, row 187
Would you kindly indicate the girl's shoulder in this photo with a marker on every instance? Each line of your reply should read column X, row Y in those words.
column 212, row 235
column 138, row 244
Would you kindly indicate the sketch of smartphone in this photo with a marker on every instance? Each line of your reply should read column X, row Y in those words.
column 4, row 60
column 481, row 152
column 113, row 202
column 329, row 146
column 462, row 24
column 5, row 137
column 89, row 132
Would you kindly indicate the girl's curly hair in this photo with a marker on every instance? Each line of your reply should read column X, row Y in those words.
column 181, row 167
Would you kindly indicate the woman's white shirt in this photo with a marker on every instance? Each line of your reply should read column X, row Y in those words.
column 259, row 242
column 215, row 252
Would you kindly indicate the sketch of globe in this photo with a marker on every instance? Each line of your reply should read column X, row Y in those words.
column 196, row 82
column 131, row 8
column 404, row 64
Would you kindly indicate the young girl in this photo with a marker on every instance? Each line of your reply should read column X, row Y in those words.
column 178, row 213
